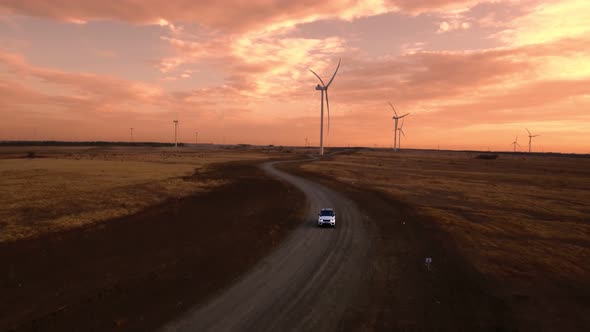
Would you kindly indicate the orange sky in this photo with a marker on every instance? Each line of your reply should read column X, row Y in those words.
column 473, row 74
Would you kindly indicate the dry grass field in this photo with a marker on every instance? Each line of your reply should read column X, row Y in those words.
column 522, row 221
column 65, row 187
column 138, row 272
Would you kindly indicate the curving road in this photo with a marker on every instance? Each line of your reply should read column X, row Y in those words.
column 306, row 284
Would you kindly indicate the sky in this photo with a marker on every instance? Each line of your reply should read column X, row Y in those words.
column 472, row 74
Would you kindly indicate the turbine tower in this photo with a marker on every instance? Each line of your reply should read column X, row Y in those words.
column 530, row 138
column 324, row 87
column 175, row 133
column 131, row 134
column 396, row 119
column 515, row 143
column 196, row 137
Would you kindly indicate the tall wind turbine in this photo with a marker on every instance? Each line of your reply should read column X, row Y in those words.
column 175, row 133
column 515, row 143
column 131, row 134
column 401, row 131
column 396, row 119
column 324, row 87
column 530, row 138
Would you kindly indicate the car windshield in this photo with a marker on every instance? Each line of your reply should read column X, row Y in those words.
column 327, row 213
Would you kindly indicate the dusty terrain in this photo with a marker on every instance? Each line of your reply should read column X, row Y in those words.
column 520, row 222
column 66, row 187
column 508, row 239
column 137, row 272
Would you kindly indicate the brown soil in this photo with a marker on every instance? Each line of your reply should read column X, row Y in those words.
column 400, row 293
column 137, row 272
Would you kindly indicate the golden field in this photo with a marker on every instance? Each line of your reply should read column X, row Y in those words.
column 523, row 221
column 66, row 187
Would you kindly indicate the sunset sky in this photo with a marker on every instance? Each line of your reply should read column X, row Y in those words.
column 473, row 74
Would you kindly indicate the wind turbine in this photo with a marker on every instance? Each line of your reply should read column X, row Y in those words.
column 515, row 143
column 324, row 87
column 396, row 118
column 175, row 133
column 196, row 137
column 530, row 138
column 401, row 131
column 131, row 134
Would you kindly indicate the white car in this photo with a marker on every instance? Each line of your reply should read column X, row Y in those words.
column 327, row 217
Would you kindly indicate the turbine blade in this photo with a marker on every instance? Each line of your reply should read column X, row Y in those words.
column 402, row 126
column 528, row 131
column 319, row 78
column 402, row 131
column 393, row 108
column 330, row 82
column 404, row 115
column 328, row 108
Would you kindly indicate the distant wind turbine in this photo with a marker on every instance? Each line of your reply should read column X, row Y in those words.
column 324, row 87
column 396, row 118
column 515, row 143
column 196, row 137
column 401, row 131
column 530, row 138
column 131, row 134
column 175, row 133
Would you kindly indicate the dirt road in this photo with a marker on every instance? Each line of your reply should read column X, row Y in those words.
column 306, row 284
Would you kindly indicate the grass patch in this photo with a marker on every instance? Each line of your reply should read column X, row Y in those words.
column 75, row 187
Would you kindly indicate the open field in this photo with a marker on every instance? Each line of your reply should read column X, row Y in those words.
column 521, row 221
column 508, row 238
column 65, row 187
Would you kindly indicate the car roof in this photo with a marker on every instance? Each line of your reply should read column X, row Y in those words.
column 327, row 209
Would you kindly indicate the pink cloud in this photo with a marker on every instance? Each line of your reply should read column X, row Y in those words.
column 235, row 15
column 227, row 15
column 92, row 94
column 421, row 6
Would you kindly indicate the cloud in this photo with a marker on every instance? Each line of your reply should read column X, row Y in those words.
column 229, row 15
column 232, row 15
column 109, row 54
column 444, row 27
column 549, row 22
column 85, row 95
column 256, row 64
column 426, row 76
column 424, row 6
column 80, row 92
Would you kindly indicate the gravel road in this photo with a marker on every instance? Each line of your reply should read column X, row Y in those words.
column 307, row 284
